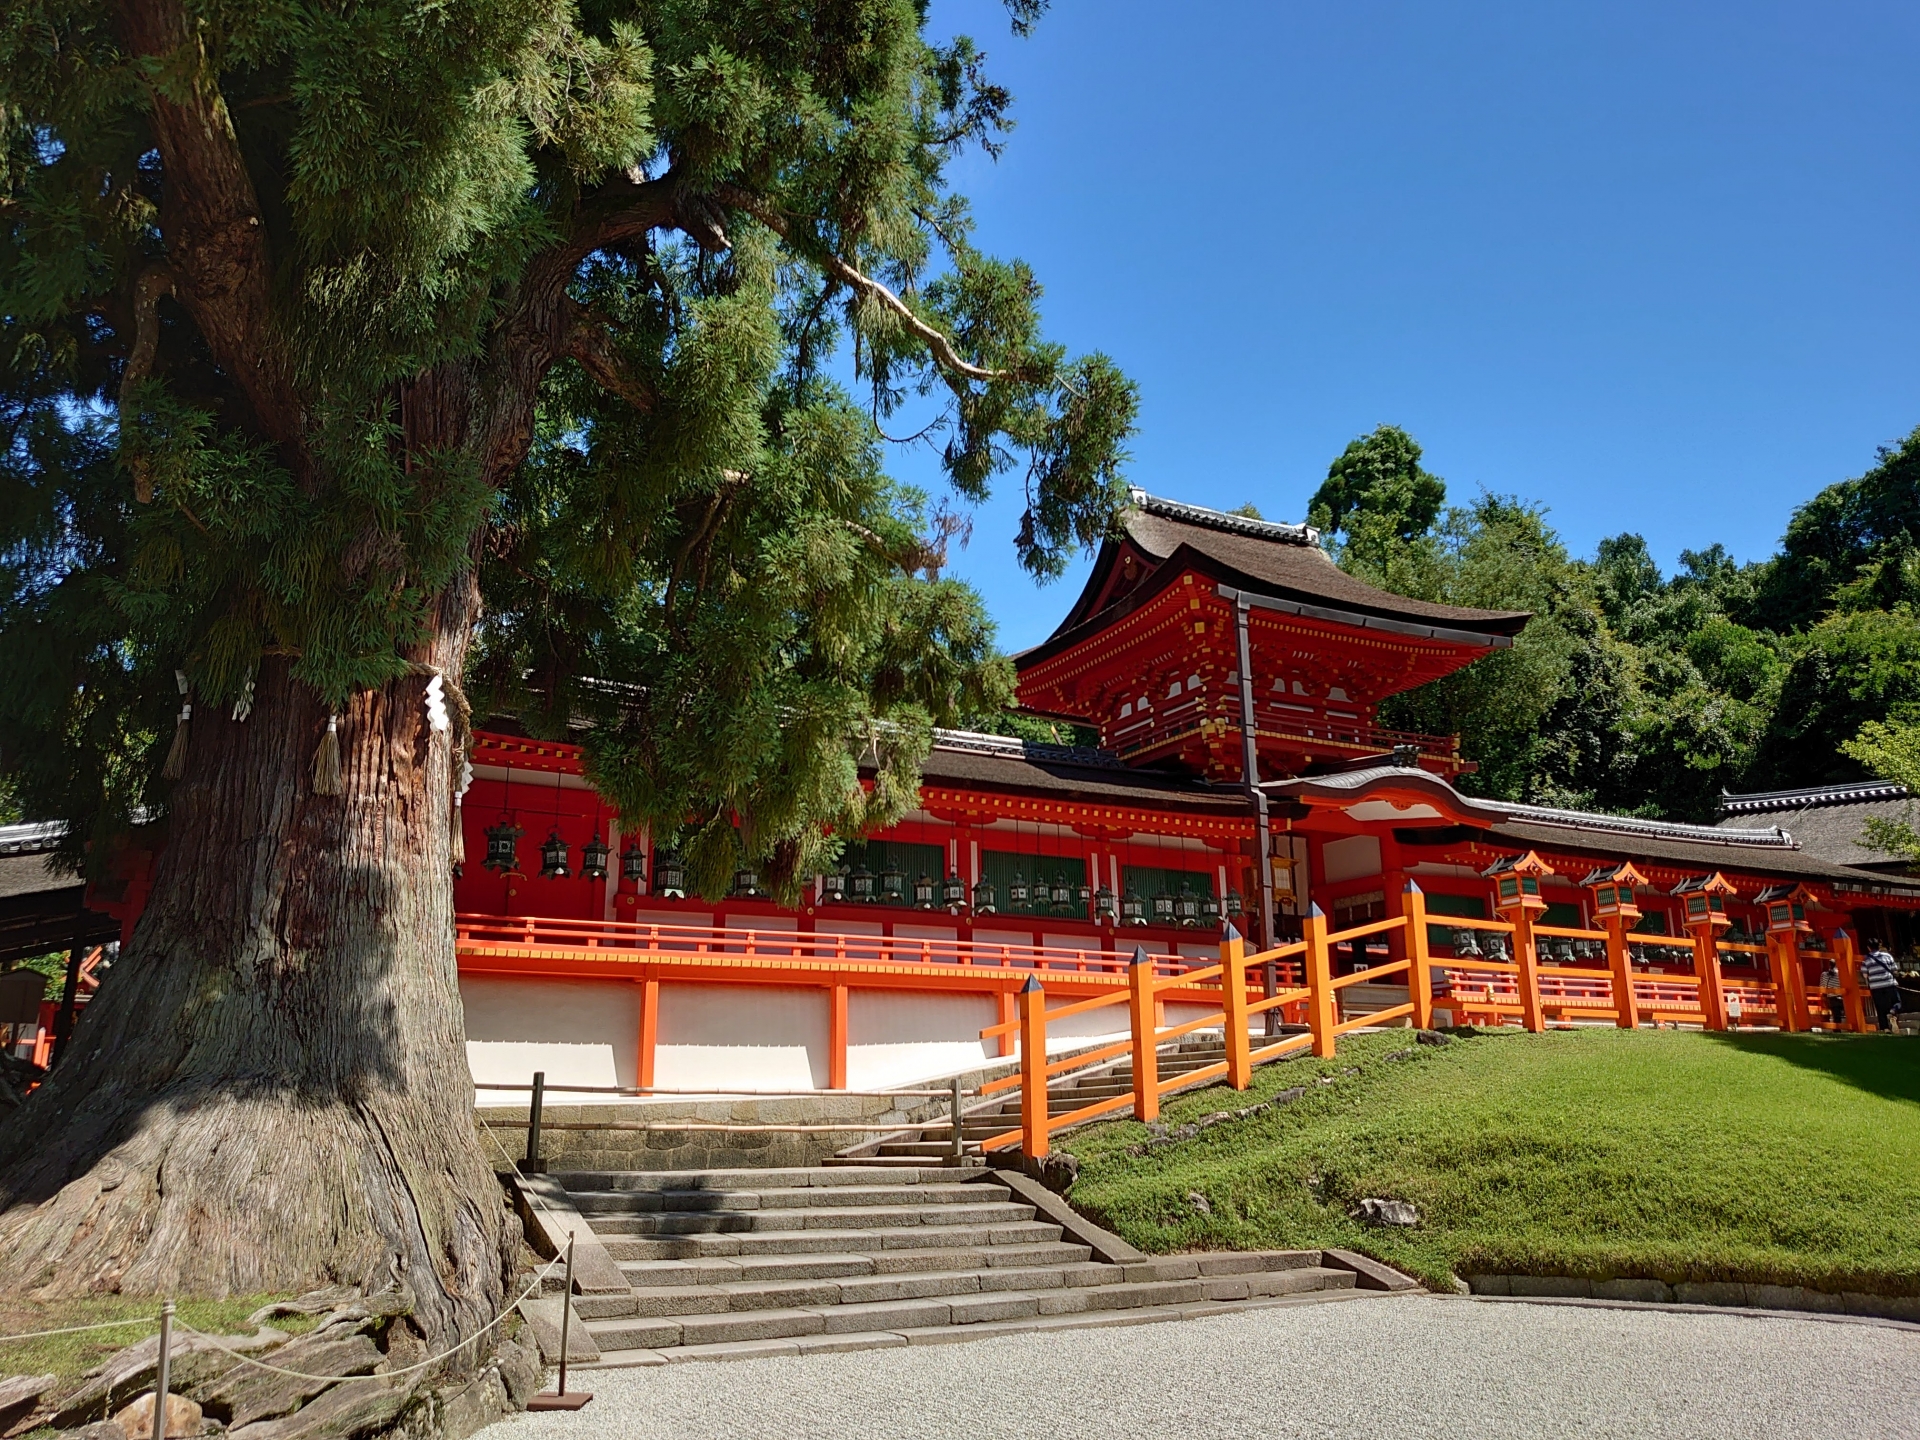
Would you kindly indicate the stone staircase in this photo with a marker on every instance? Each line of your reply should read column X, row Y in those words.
column 998, row 1114
column 729, row 1263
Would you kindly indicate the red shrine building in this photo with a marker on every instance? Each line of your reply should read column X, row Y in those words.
column 1233, row 674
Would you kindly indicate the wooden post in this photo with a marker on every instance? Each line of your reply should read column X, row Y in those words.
column 1846, row 959
column 1008, row 1013
column 1706, row 967
column 1233, row 1004
column 1033, row 1068
column 1783, row 959
column 1420, row 972
column 1144, row 1010
column 649, row 1031
column 1626, row 1004
column 837, row 1037
column 1319, row 963
column 1527, row 964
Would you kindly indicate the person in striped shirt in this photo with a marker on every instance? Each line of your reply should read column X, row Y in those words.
column 1882, row 982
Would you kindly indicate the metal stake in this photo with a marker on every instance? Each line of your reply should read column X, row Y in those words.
column 566, row 1314
column 160, row 1379
column 532, row 1164
column 959, row 1136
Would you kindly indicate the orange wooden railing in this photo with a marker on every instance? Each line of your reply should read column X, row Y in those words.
column 1476, row 989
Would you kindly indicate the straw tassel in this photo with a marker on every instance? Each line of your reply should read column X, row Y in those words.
column 176, row 764
column 327, row 779
column 458, row 840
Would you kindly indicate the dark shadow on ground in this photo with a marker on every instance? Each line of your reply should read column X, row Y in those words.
column 1883, row 1065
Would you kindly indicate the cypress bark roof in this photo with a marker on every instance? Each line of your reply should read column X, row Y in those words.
column 1830, row 821
column 1283, row 561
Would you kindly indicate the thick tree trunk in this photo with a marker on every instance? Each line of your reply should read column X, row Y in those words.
column 270, row 1090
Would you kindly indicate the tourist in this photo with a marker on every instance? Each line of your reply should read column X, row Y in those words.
column 1830, row 988
column 1877, row 973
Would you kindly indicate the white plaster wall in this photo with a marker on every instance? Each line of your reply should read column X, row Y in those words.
column 741, row 1037
column 903, row 1037
column 1353, row 858
column 580, row 1032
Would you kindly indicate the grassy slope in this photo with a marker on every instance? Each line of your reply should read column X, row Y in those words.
column 1768, row 1158
column 71, row 1356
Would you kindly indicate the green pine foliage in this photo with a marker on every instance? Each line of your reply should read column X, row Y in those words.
column 1642, row 693
column 599, row 305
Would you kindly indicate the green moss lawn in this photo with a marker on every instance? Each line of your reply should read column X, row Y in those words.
column 71, row 1356
column 1781, row 1159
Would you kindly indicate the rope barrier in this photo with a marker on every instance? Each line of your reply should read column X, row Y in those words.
column 77, row 1329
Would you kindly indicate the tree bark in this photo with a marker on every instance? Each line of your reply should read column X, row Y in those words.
column 270, row 1090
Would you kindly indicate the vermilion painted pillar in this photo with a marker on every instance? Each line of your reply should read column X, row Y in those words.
column 1527, row 965
column 649, row 1031
column 1233, row 1004
column 837, row 1037
column 1143, row 1010
column 1033, row 1068
column 1420, row 972
column 1626, row 1003
column 1319, row 963
column 1706, row 968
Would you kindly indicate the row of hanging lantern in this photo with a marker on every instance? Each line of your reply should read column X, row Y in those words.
column 670, row 875
column 1059, row 897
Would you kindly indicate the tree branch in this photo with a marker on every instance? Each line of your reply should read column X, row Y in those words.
column 590, row 341
column 936, row 341
column 154, row 281
column 210, row 216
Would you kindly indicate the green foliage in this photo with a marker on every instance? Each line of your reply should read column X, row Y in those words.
column 1771, row 1159
column 1376, row 492
column 1891, row 750
column 1643, row 693
column 547, row 294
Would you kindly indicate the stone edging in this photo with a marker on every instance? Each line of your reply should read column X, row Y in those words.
column 1708, row 1295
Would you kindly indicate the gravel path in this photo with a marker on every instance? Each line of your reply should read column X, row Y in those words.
column 1413, row 1366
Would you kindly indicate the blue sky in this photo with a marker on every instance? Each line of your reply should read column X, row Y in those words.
column 1652, row 265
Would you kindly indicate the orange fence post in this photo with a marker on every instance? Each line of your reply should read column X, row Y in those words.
column 1033, row 1068
column 649, row 1031
column 1320, row 1007
column 1706, row 965
column 1005, row 1000
column 837, row 1037
column 1626, row 1004
column 1847, row 961
column 1783, row 959
column 1144, row 1009
column 1527, row 962
column 1419, row 973
column 1233, row 1004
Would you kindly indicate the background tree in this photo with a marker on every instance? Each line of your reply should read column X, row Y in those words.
column 337, row 341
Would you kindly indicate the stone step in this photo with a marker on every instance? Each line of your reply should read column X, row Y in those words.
column 781, row 1197
column 580, row 1181
column 841, row 1242
column 876, row 1217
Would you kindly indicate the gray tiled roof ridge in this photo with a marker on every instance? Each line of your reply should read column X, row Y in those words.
column 976, row 742
column 1772, row 836
column 1846, row 793
column 1279, row 530
column 32, row 837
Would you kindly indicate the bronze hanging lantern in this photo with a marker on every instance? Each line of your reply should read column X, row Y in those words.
column 984, row 897
column 833, row 886
column 633, row 863
column 953, row 891
column 1163, row 907
column 1209, row 909
column 1133, row 909
column 1061, row 895
column 863, row 883
column 501, row 846
column 670, row 876
column 1236, row 905
column 1186, row 907
column 593, row 858
column 746, row 882
column 1017, row 892
column 893, row 885
column 553, row 857
column 923, row 891
column 1103, row 905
